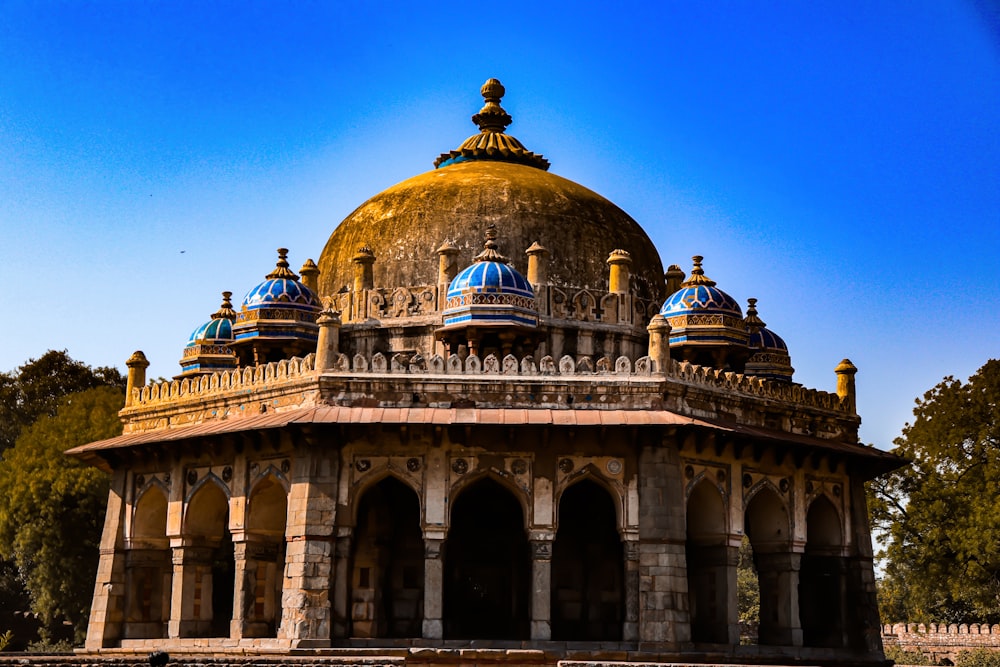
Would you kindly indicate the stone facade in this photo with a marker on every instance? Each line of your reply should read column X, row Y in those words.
column 487, row 468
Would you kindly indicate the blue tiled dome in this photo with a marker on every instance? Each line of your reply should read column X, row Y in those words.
column 285, row 292
column 214, row 331
column 490, row 277
column 208, row 348
column 769, row 355
column 701, row 314
column 768, row 340
column 490, row 293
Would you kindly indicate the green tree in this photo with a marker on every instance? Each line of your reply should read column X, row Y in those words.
column 747, row 594
column 50, row 522
column 34, row 389
column 938, row 515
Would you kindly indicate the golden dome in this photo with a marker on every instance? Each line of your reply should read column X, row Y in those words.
column 405, row 225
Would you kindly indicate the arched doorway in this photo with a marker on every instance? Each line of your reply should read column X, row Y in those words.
column 486, row 566
column 387, row 570
column 821, row 578
column 210, row 573
column 588, row 567
column 767, row 526
column 264, row 558
column 148, row 568
column 709, row 567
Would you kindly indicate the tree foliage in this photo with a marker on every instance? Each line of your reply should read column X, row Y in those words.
column 939, row 514
column 51, row 520
column 35, row 388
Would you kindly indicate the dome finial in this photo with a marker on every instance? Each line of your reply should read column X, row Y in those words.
column 492, row 117
column 490, row 252
column 281, row 269
column 698, row 276
column 754, row 323
column 226, row 309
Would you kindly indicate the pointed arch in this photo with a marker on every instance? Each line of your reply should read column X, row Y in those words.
column 149, row 519
column 592, row 473
column 711, row 589
column 260, row 572
column 487, row 564
column 211, row 562
column 387, row 562
column 767, row 525
column 822, row 577
column 375, row 478
column 148, row 566
column 588, row 565
column 474, row 478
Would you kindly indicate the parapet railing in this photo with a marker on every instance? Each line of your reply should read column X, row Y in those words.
column 271, row 374
column 941, row 629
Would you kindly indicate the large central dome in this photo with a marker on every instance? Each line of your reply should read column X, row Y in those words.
column 490, row 179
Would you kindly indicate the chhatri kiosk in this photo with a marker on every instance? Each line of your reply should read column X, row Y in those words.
column 486, row 427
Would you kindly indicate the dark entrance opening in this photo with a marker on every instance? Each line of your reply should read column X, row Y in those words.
column 821, row 578
column 387, row 571
column 223, row 584
column 486, row 566
column 588, row 567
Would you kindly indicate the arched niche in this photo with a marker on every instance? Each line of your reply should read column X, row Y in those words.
column 822, row 577
column 767, row 526
column 588, row 567
column 148, row 568
column 487, row 565
column 387, row 562
column 711, row 577
column 209, row 567
column 264, row 557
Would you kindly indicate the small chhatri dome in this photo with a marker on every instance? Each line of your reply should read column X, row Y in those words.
column 698, row 294
column 278, row 317
column 492, row 143
column 490, row 292
column 768, row 352
column 706, row 324
column 281, row 287
column 208, row 348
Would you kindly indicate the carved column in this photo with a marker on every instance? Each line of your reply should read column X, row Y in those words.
column 341, row 582
column 244, row 590
column 778, row 574
column 433, row 626
column 541, row 584
column 190, row 591
column 630, row 629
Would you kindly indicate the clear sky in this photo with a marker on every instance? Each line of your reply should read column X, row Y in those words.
column 839, row 161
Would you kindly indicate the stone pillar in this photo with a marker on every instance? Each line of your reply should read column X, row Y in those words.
column 342, row 582
column 328, row 343
column 310, row 275
column 538, row 276
column 305, row 600
column 541, row 584
column 107, row 611
column 862, row 625
column 433, row 626
column 659, row 343
column 663, row 608
column 363, row 273
column 845, row 383
column 630, row 630
column 731, row 603
column 673, row 278
column 190, row 591
column 537, row 264
column 137, row 365
column 620, row 262
column 447, row 270
column 244, row 590
column 778, row 573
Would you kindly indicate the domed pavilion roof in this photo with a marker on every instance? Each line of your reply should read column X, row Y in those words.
column 490, row 180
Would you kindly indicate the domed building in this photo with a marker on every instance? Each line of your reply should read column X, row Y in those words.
column 486, row 427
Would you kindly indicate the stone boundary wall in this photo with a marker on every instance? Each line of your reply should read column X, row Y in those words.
column 268, row 375
column 941, row 641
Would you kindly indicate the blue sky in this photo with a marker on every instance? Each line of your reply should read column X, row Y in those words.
column 839, row 161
